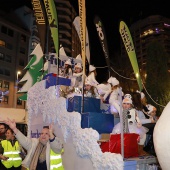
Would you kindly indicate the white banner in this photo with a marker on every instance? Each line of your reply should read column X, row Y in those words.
column 76, row 23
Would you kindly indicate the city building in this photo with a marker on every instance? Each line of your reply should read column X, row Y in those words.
column 18, row 38
column 143, row 32
column 14, row 42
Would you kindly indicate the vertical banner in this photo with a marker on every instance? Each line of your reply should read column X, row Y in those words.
column 82, row 14
column 76, row 24
column 103, row 40
column 40, row 16
column 127, row 40
column 53, row 22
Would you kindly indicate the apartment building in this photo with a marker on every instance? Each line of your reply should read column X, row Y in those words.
column 19, row 36
column 14, row 41
column 145, row 31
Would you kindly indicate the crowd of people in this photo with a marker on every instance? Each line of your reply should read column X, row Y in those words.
column 18, row 151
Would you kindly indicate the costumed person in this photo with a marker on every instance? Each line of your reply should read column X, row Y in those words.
column 38, row 149
column 149, row 147
column 92, row 76
column 10, row 151
column 78, row 72
column 67, row 72
column 77, row 79
column 132, row 124
column 90, row 90
column 147, row 116
column 114, row 96
column 104, row 89
column 147, row 119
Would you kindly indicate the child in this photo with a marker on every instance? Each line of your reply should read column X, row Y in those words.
column 113, row 97
column 67, row 73
column 90, row 90
column 77, row 75
column 92, row 76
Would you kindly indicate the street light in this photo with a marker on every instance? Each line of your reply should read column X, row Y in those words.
column 16, row 89
column 18, row 73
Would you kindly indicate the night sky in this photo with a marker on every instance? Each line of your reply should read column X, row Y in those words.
column 111, row 13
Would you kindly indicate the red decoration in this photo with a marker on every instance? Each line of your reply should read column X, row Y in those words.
column 114, row 145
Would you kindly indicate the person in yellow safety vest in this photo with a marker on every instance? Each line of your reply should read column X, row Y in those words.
column 56, row 161
column 10, row 152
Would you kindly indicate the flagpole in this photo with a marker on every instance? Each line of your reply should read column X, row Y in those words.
column 82, row 14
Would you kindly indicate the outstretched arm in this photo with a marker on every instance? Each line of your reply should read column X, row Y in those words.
column 23, row 140
column 11, row 124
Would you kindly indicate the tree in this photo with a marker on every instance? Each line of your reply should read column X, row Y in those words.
column 34, row 71
column 158, row 78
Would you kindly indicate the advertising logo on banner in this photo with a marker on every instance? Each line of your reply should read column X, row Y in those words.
column 40, row 16
column 53, row 22
column 127, row 40
column 102, row 38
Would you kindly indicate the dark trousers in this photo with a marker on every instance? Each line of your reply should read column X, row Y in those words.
column 150, row 126
column 13, row 168
column 149, row 147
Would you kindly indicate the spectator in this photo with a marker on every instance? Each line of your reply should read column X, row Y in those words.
column 10, row 152
column 38, row 150
column 3, row 129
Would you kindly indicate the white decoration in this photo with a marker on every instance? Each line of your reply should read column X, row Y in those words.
column 81, row 150
column 161, row 138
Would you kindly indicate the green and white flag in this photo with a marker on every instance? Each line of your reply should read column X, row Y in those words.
column 53, row 22
column 127, row 40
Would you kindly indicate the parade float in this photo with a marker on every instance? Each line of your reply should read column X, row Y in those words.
column 82, row 132
column 80, row 129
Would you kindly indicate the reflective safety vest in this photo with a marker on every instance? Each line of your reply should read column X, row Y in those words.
column 12, row 152
column 56, row 161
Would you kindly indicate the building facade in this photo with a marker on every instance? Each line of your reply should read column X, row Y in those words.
column 145, row 31
column 18, row 38
column 14, row 41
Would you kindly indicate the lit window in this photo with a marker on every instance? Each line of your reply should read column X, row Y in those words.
column 2, row 43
